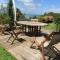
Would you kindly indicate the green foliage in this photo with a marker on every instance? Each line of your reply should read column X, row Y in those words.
column 10, row 12
column 4, row 18
column 57, row 22
column 54, row 25
column 51, row 26
column 4, row 55
column 19, row 15
column 34, row 17
column 55, row 15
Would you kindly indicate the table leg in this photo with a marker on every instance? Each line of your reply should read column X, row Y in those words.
column 35, row 30
column 39, row 30
column 25, row 28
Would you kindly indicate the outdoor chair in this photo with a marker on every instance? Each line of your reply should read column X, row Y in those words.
column 14, row 32
column 49, row 50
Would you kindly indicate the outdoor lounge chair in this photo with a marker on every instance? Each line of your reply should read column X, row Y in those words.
column 51, row 51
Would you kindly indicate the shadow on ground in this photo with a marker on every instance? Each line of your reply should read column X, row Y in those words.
column 21, row 40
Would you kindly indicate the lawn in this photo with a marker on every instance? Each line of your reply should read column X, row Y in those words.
column 51, row 26
column 4, row 55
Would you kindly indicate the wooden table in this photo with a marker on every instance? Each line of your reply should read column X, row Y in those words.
column 32, row 26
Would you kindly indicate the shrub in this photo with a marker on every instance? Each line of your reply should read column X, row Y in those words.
column 4, row 18
column 57, row 22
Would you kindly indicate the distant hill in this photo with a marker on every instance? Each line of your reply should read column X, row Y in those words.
column 55, row 15
column 31, row 15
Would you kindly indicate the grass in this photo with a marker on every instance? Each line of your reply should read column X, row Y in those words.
column 4, row 55
column 51, row 26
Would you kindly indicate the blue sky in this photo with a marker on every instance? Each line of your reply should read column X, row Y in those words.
column 37, row 6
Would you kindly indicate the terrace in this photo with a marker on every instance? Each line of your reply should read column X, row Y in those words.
column 25, row 39
column 21, row 48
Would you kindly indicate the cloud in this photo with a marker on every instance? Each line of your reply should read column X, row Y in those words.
column 30, row 4
column 53, row 8
column 26, row 1
column 56, row 10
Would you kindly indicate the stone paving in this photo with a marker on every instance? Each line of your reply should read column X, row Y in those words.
column 21, row 49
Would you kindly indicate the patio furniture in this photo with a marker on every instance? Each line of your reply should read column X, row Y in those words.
column 47, row 46
column 14, row 32
column 33, row 28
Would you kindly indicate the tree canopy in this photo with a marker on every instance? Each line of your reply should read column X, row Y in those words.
column 51, row 16
column 4, row 18
column 19, row 14
column 55, row 15
column 10, row 12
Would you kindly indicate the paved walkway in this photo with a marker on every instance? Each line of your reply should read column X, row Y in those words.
column 21, row 49
column 25, row 53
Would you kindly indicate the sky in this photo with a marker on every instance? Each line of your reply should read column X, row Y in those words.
column 36, row 7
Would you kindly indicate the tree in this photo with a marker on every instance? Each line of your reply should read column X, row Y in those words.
column 4, row 18
column 10, row 12
column 57, row 22
column 55, row 15
column 19, row 15
column 34, row 17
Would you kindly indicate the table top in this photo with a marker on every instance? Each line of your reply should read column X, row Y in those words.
column 30, row 23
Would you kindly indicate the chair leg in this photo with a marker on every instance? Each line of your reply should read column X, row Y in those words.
column 32, row 44
column 10, row 37
column 14, row 38
column 12, row 41
column 43, row 52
